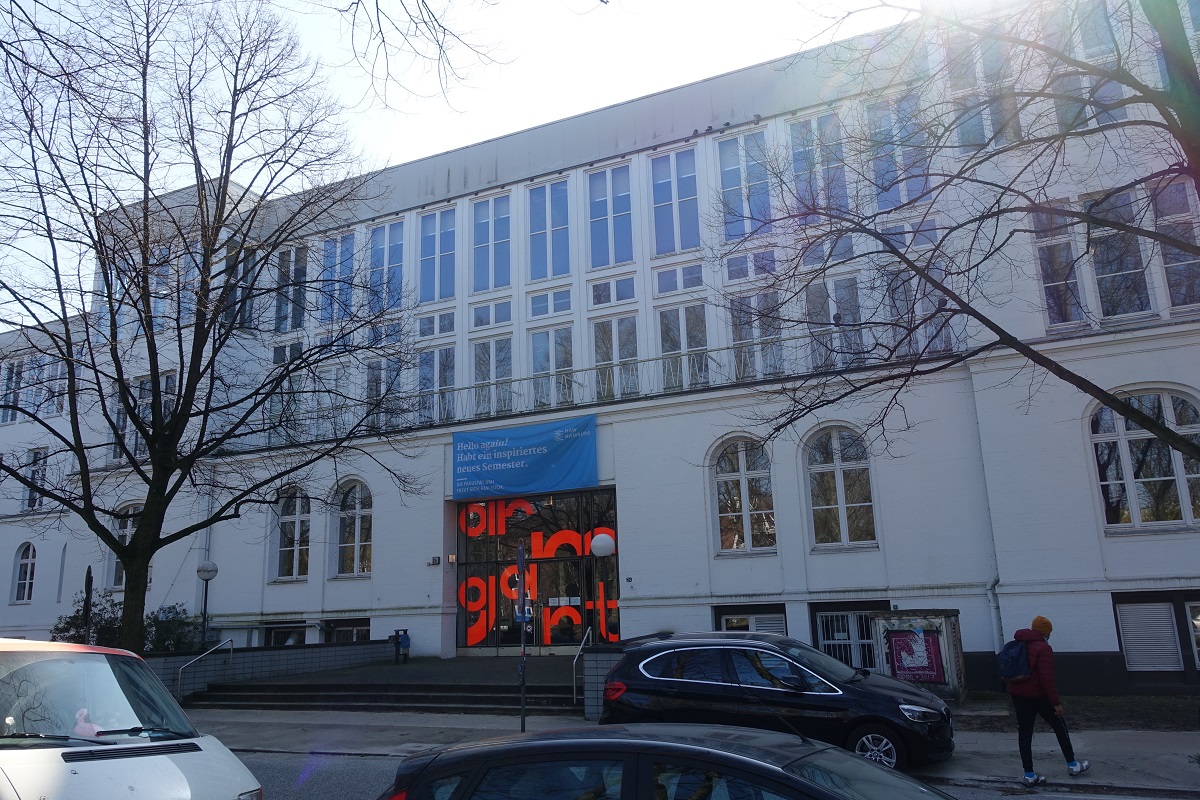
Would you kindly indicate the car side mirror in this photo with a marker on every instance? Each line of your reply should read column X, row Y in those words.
column 794, row 682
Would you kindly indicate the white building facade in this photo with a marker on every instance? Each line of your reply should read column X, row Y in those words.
column 585, row 366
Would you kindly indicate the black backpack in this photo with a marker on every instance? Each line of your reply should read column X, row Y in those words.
column 1013, row 662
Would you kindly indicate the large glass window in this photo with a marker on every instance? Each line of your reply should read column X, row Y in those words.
column 1144, row 484
column 745, row 190
column 492, row 365
column 839, row 488
column 553, row 383
column 354, row 530
column 294, row 524
column 490, row 244
column 616, row 354
column 1117, row 259
column 549, row 232
column 23, row 580
column 1175, row 218
column 745, row 502
column 337, row 278
column 568, row 590
column 435, row 278
column 435, row 382
column 291, row 282
column 757, row 336
column 900, row 155
column 676, row 213
column 387, row 262
column 610, row 215
column 1056, row 260
column 35, row 472
column 683, row 336
column 817, row 163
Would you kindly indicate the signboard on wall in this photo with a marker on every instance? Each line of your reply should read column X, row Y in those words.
column 530, row 459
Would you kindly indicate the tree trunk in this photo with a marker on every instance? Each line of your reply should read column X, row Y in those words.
column 133, row 607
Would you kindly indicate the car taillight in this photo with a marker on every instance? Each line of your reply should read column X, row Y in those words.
column 613, row 690
column 402, row 794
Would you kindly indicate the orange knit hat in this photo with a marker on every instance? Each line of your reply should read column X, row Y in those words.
column 1041, row 625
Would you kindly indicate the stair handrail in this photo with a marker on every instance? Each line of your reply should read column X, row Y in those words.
column 179, row 675
column 574, row 676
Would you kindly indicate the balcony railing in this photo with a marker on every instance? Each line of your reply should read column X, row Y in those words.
column 746, row 363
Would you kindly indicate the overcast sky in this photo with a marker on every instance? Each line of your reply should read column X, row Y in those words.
column 556, row 58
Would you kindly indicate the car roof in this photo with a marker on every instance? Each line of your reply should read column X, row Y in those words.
column 35, row 646
column 708, row 637
column 768, row 747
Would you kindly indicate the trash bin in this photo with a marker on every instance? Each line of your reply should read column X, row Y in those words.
column 402, row 643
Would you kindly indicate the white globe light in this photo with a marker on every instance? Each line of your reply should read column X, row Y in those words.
column 603, row 545
column 206, row 571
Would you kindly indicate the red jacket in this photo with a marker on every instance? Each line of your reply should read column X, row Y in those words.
column 1041, row 668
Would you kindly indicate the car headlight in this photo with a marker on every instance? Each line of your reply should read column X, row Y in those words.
column 920, row 713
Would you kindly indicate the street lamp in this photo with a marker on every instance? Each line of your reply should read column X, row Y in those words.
column 603, row 546
column 205, row 572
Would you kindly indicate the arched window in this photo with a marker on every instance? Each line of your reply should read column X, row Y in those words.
column 293, row 511
column 745, row 508
column 1130, row 463
column 125, row 526
column 23, row 585
column 354, row 530
column 839, row 488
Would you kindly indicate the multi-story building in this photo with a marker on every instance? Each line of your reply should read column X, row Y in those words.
column 591, row 356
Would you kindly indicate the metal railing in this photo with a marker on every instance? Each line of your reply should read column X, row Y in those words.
column 179, row 675
column 409, row 407
column 574, row 665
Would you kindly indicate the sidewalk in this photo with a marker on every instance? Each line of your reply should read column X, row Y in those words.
column 1153, row 763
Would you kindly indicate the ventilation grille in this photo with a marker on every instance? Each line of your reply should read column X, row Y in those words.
column 109, row 753
column 1149, row 637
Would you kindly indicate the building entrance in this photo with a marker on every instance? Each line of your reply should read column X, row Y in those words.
column 568, row 590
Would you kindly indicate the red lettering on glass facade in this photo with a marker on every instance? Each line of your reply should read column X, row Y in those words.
column 571, row 595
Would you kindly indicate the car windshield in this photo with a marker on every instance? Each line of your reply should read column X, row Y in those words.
column 56, row 698
column 857, row 778
column 821, row 662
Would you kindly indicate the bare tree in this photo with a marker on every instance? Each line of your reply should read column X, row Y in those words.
column 182, row 355
column 971, row 169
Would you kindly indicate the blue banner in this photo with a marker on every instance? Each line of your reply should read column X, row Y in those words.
column 531, row 459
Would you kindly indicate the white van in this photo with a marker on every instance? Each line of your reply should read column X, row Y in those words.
column 94, row 723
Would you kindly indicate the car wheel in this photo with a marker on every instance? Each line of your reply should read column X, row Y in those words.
column 880, row 744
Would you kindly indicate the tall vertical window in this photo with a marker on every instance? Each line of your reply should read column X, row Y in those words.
column 834, row 322
column 839, row 488
column 1144, row 484
column 337, row 278
column 1175, row 218
column 818, row 166
column 490, row 244
column 683, row 339
column 285, row 406
column 1060, row 281
column 987, row 106
column 610, row 216
column 435, row 382
column 291, row 282
column 436, row 276
column 14, row 372
column 549, row 236
column 616, row 351
column 899, row 155
column 757, row 336
column 553, row 370
column 492, row 367
column 745, row 191
column 676, row 213
column 1117, row 259
column 126, row 523
column 745, row 500
column 23, row 583
column 293, row 510
column 354, row 530
column 386, row 279
column 240, row 279
column 35, row 471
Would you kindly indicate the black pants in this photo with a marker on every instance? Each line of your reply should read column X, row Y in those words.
column 1028, row 709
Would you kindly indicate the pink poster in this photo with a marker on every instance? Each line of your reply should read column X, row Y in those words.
column 916, row 656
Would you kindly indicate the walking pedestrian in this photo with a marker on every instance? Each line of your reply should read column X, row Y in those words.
column 1037, row 696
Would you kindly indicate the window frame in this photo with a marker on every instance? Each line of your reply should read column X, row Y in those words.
column 491, row 243
column 742, row 477
column 300, row 559
column 549, row 230
column 674, row 200
column 363, row 510
column 838, row 466
column 385, row 266
column 437, row 255
column 751, row 215
column 610, row 216
column 24, row 572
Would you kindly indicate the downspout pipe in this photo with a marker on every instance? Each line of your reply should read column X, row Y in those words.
column 997, row 624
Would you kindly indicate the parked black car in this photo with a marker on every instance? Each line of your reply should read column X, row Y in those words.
column 649, row 762
column 763, row 680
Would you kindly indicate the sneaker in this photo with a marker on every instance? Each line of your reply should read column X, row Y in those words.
column 1076, row 768
column 1033, row 779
